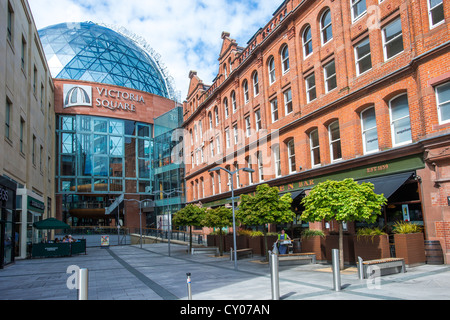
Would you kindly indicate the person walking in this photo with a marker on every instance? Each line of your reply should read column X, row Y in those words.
column 282, row 238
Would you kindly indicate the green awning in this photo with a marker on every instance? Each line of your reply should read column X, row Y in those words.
column 50, row 224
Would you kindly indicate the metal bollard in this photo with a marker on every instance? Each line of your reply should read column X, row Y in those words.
column 336, row 271
column 275, row 276
column 360, row 268
column 189, row 286
column 83, row 284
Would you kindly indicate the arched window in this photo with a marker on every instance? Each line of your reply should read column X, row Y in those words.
column 216, row 114
column 291, row 156
column 246, row 94
column 271, row 66
column 210, row 119
column 233, row 101
column 255, row 84
column 285, row 59
column 225, row 105
column 369, row 130
column 307, row 42
column 326, row 26
column 400, row 120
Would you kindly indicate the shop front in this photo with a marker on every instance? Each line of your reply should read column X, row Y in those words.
column 7, row 235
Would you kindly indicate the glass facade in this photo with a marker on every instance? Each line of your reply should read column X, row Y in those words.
column 89, row 52
column 101, row 155
column 168, row 168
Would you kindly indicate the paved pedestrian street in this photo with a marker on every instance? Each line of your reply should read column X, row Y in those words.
column 132, row 273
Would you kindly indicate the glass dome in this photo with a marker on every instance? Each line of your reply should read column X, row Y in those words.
column 90, row 52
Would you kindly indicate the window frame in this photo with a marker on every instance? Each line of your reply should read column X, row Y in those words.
column 359, row 59
column 430, row 16
column 246, row 93
column 277, row 160
column 233, row 101
column 285, row 64
column 288, row 101
column 333, row 142
column 439, row 104
column 310, row 89
column 258, row 120
column 386, row 43
column 274, row 110
column 255, row 79
column 271, row 69
column 291, row 156
column 306, row 41
column 393, row 121
column 327, row 77
column 314, row 148
column 365, row 130
column 353, row 4
column 8, row 110
column 323, row 28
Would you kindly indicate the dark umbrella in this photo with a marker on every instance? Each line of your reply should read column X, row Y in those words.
column 51, row 224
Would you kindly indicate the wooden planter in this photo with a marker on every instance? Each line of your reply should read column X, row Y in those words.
column 332, row 242
column 411, row 247
column 241, row 242
column 371, row 247
column 314, row 245
column 257, row 244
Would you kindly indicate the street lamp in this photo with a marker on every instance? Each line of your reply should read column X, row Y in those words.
column 232, row 203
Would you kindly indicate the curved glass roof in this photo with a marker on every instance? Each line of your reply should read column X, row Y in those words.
column 89, row 52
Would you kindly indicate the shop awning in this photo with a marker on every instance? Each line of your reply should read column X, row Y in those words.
column 297, row 194
column 387, row 185
column 50, row 224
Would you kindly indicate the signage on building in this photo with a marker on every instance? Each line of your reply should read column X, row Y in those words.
column 36, row 205
column 3, row 194
column 112, row 99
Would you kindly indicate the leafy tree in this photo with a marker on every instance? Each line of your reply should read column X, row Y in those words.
column 220, row 217
column 189, row 216
column 265, row 207
column 343, row 201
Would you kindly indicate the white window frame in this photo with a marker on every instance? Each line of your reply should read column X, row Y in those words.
column 323, row 27
column 430, row 16
column 250, row 174
column 329, row 77
column 314, row 148
column 260, row 167
column 334, row 142
column 309, row 88
column 274, row 110
column 306, row 42
column 255, row 84
column 226, row 108
column 359, row 59
column 236, row 134
column 365, row 130
column 394, row 121
column 291, row 156
column 277, row 160
column 246, row 93
column 227, row 137
column 248, row 126
column 258, row 120
column 288, row 101
column 218, row 144
column 385, row 44
column 233, row 101
column 353, row 4
column 271, row 69
column 216, row 115
column 211, row 145
column 213, row 184
column 285, row 65
column 440, row 104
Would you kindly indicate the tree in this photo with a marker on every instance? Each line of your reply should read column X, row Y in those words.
column 343, row 201
column 189, row 216
column 220, row 217
column 265, row 207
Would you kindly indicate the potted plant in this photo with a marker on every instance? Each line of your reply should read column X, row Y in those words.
column 312, row 242
column 409, row 242
column 371, row 244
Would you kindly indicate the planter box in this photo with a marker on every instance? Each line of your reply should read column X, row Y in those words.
column 332, row 242
column 314, row 245
column 410, row 247
column 372, row 248
column 241, row 242
column 257, row 244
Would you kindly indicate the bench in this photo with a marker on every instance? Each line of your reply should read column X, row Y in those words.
column 298, row 257
column 199, row 250
column 380, row 267
column 241, row 252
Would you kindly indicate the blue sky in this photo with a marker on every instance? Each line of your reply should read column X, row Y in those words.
column 186, row 33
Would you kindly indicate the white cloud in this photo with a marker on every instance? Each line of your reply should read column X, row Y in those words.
column 185, row 33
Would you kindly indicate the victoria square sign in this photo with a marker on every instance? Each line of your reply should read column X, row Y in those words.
column 112, row 99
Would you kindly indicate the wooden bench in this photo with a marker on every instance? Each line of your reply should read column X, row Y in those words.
column 298, row 257
column 380, row 267
column 241, row 252
column 199, row 250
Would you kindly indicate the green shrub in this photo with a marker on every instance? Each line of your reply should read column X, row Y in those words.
column 311, row 233
column 406, row 227
column 369, row 232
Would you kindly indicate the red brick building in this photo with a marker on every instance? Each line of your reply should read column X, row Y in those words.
column 330, row 90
